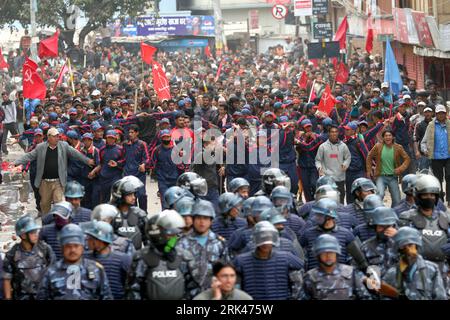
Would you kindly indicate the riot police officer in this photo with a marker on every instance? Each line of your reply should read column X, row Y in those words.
column 130, row 222
column 380, row 250
column 74, row 277
column 332, row 280
column 266, row 273
column 108, row 213
column 204, row 245
column 305, row 209
column 413, row 277
column 116, row 264
column 228, row 221
column 161, row 270
column 26, row 262
column 270, row 179
column 184, row 207
column 239, row 186
column 193, row 183
column 366, row 230
column 173, row 194
column 408, row 186
column 62, row 215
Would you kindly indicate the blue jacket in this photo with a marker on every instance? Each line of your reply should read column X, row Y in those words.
column 161, row 161
column 225, row 227
column 440, row 141
column 358, row 151
column 136, row 153
column 287, row 151
column 110, row 174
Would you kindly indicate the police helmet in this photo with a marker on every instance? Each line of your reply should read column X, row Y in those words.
column 265, row 233
column 237, row 183
column 427, row 183
column 407, row 235
column 383, row 216
column 371, row 202
column 71, row 234
column 184, row 206
column 327, row 192
column 63, row 209
column 247, row 207
column 326, row 207
column 105, row 212
column 326, row 180
column 170, row 222
column 326, row 243
column 260, row 204
column 74, row 190
column 125, row 186
column 26, row 224
column 194, row 183
column 274, row 177
column 272, row 215
column 228, row 201
column 364, row 184
column 281, row 197
column 409, row 183
column 173, row 194
column 203, row 208
column 99, row 230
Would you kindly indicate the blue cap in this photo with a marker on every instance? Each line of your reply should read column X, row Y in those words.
column 306, row 122
column 246, row 112
column 87, row 136
column 124, row 101
column 351, row 125
column 38, row 131
column 269, row 113
column 61, row 130
column 363, row 122
column 164, row 120
column 179, row 114
column 107, row 111
column 340, row 99
column 53, row 116
column 164, row 132
column 284, row 119
column 72, row 134
column 111, row 133
column 72, row 111
column 187, row 100
column 277, row 105
column 95, row 125
column 181, row 103
column 401, row 102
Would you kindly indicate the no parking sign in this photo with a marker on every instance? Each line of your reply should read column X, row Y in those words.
column 279, row 11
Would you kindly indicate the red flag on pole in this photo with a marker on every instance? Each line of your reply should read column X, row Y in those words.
column 33, row 86
column 341, row 34
column 303, row 80
column 208, row 52
column 219, row 70
column 160, row 83
column 369, row 40
column 342, row 73
column 63, row 71
column 147, row 53
column 327, row 101
column 48, row 48
column 3, row 63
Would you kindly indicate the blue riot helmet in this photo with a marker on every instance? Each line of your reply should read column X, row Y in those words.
column 260, row 204
column 326, row 180
column 370, row 203
column 281, row 197
column 326, row 243
column 407, row 235
column 26, row 224
column 273, row 215
column 265, row 233
column 323, row 210
column 240, row 186
column 194, row 183
column 105, row 212
column 184, row 206
column 363, row 184
column 173, row 194
column 247, row 207
column 327, row 192
column 203, row 208
column 74, row 190
column 426, row 183
column 409, row 184
column 383, row 216
column 228, row 201
column 164, row 228
column 99, row 230
column 71, row 234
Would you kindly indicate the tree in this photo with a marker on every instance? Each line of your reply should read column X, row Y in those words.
column 62, row 14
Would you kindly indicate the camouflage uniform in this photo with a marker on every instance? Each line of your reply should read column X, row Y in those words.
column 84, row 281
column 344, row 283
column 122, row 244
column 380, row 253
column 26, row 269
column 422, row 281
column 204, row 257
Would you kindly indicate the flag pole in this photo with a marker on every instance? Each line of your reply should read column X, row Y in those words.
column 71, row 76
column 312, row 88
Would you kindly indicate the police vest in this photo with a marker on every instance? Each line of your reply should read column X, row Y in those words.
column 164, row 279
column 434, row 235
column 333, row 287
column 129, row 228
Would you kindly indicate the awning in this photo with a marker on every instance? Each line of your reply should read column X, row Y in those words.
column 429, row 52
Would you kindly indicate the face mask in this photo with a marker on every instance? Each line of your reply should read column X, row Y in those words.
column 60, row 222
column 426, row 203
column 166, row 142
column 382, row 237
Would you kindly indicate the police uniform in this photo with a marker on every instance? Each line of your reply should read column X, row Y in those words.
column 84, row 281
column 78, row 216
column 49, row 234
column 123, row 244
column 131, row 225
column 344, row 283
column 226, row 226
column 380, row 253
column 204, row 257
column 25, row 269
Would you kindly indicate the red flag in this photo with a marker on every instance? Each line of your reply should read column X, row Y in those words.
column 219, row 70
column 33, row 86
column 63, row 71
column 327, row 101
column 3, row 63
column 147, row 53
column 342, row 73
column 369, row 40
column 315, row 62
column 160, row 83
column 303, row 80
column 208, row 52
column 341, row 34
column 48, row 48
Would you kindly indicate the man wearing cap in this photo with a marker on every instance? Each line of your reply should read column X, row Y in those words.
column 73, row 123
column 74, row 167
column 358, row 150
column 419, row 132
column 388, row 96
column 111, row 161
column 436, row 146
column 90, row 175
column 403, row 136
column 287, row 151
column 51, row 167
column 98, row 131
column 339, row 113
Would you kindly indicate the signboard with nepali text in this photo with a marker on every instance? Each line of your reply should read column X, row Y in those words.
column 303, row 8
column 176, row 26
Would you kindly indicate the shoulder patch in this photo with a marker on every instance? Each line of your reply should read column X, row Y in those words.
column 221, row 238
column 99, row 265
